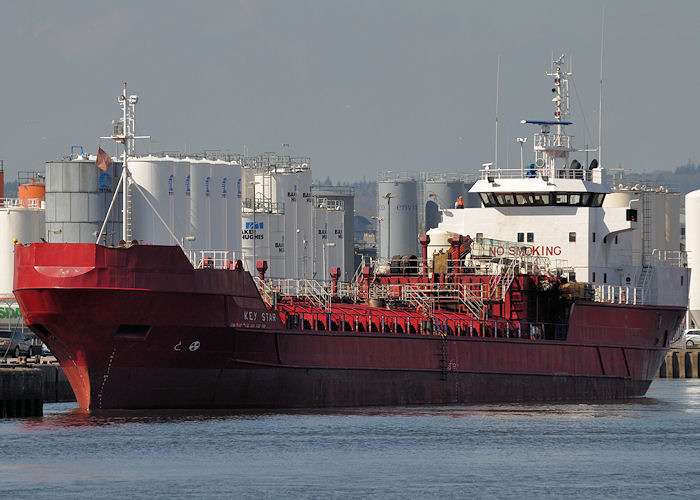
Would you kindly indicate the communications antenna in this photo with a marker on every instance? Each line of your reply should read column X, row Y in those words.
column 123, row 132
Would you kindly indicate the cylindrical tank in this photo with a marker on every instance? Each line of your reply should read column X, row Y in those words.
column 254, row 241
column 335, row 253
column 152, row 175
column 233, row 210
column 304, row 232
column 398, row 211
column 438, row 242
column 178, row 192
column 345, row 195
column 440, row 195
column 78, row 195
column 274, row 233
column 200, row 220
column 692, row 246
column 284, row 192
column 32, row 194
column 25, row 224
column 218, row 206
column 319, row 243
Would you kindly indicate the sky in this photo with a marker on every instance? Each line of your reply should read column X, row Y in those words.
column 360, row 86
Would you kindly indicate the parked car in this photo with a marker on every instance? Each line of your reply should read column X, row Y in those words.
column 691, row 338
column 13, row 344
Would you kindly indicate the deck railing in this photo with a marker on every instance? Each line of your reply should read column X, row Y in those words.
column 367, row 322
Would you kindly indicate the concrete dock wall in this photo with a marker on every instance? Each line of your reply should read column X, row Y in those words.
column 21, row 392
column 25, row 388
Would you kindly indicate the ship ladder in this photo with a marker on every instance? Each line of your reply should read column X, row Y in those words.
column 443, row 357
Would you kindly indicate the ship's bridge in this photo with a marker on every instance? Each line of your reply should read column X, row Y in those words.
column 533, row 186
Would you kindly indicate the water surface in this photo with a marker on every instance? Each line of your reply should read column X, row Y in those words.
column 646, row 447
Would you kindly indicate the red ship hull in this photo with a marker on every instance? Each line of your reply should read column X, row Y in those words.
column 140, row 328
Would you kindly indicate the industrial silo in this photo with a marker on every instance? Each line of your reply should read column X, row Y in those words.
column 178, row 192
column 335, row 253
column 283, row 185
column 304, row 231
column 319, row 239
column 233, row 210
column 78, row 195
column 254, row 242
column 345, row 195
column 153, row 176
column 26, row 224
column 275, row 235
column 217, row 205
column 440, row 193
column 200, row 220
column 398, row 215
column 692, row 246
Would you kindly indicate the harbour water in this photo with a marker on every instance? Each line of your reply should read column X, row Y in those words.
column 640, row 448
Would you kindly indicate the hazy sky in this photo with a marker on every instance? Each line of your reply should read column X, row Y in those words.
column 359, row 86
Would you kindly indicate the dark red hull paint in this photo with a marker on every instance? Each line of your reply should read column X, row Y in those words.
column 79, row 297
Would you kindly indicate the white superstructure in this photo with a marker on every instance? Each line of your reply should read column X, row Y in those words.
column 624, row 240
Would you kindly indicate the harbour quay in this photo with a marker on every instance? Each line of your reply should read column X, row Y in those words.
column 681, row 363
column 24, row 388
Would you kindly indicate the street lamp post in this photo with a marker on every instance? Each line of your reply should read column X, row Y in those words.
column 522, row 141
column 388, row 224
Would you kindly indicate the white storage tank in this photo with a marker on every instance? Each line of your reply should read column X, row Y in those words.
column 335, row 252
column 319, row 240
column 153, row 176
column 233, row 210
column 283, row 193
column 345, row 195
column 398, row 210
column 692, row 246
column 200, row 219
column 180, row 197
column 440, row 195
column 254, row 241
column 218, row 205
column 304, row 233
column 274, row 234
column 25, row 224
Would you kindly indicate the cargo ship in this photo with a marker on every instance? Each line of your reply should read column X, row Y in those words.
column 479, row 317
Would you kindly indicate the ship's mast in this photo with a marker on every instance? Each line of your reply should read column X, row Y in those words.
column 552, row 147
column 123, row 133
column 561, row 91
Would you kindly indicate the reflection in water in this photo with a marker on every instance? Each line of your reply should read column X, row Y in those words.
column 616, row 449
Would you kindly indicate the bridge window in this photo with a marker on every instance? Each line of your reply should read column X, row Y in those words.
column 593, row 239
column 561, row 199
column 572, row 237
column 605, row 277
column 521, row 237
column 530, row 237
column 593, row 277
column 542, row 199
